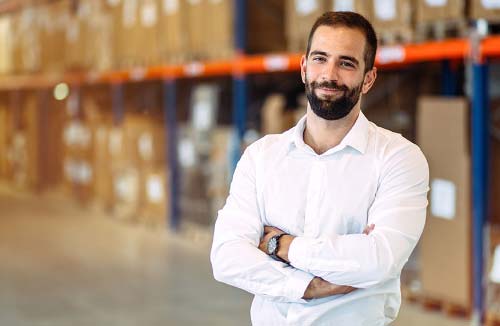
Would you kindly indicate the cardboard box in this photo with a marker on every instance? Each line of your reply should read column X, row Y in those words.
column 300, row 17
column 266, row 26
column 27, row 56
column 485, row 9
column 172, row 38
column 220, row 29
column 392, row 20
column 445, row 246
column 53, row 19
column 439, row 10
column 6, row 51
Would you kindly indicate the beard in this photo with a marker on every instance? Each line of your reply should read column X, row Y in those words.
column 332, row 108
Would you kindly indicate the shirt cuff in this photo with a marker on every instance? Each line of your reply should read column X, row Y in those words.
column 299, row 253
column 297, row 283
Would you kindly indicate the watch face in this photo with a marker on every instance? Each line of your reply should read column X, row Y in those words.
column 271, row 245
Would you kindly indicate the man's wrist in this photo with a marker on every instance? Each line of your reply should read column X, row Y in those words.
column 284, row 245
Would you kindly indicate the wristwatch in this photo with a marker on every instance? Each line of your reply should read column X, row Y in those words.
column 273, row 245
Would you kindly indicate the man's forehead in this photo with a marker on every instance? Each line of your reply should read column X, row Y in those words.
column 338, row 37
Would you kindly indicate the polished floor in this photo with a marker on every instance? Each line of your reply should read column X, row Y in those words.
column 61, row 265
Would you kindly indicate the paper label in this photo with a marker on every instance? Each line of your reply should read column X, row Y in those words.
column 115, row 142
column 491, row 4
column 306, row 7
column 187, row 153
column 145, row 146
column 495, row 269
column 155, row 189
column 343, row 5
column 385, row 9
column 113, row 3
column 149, row 16
column 443, row 198
column 76, row 134
column 73, row 32
column 435, row 3
column 170, row 7
column 129, row 13
column 276, row 62
column 388, row 54
column 126, row 186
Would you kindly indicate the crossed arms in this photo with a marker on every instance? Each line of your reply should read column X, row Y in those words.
column 321, row 266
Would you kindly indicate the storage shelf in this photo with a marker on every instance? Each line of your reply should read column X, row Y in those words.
column 387, row 57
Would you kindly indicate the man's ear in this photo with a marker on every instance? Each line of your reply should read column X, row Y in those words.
column 369, row 80
column 303, row 65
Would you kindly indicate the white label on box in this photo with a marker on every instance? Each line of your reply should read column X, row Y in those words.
column 276, row 62
column 149, row 14
column 388, row 54
column 83, row 173
column 187, row 153
column 443, row 198
column 385, row 9
column 306, row 7
column 126, row 186
column 115, row 142
column 73, row 32
column 343, row 5
column 145, row 146
column 491, row 4
column 170, row 6
column 194, row 69
column 113, row 3
column 155, row 189
column 129, row 13
column 435, row 3
column 202, row 116
column 495, row 269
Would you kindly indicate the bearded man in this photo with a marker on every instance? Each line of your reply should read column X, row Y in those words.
column 321, row 219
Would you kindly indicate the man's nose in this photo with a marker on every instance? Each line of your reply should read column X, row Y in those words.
column 331, row 72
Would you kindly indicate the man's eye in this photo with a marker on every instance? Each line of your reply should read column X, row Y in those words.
column 346, row 64
column 319, row 59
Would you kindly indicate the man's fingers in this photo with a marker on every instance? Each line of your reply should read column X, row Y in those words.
column 368, row 229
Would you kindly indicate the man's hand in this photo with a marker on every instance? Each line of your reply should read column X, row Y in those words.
column 319, row 288
column 284, row 245
column 368, row 229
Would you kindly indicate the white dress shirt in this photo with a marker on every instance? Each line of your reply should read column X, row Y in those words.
column 374, row 176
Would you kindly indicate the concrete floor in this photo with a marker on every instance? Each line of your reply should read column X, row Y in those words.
column 61, row 265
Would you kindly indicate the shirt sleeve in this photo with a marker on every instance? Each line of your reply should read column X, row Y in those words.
column 235, row 256
column 398, row 212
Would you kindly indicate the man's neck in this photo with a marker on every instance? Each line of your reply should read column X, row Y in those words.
column 322, row 135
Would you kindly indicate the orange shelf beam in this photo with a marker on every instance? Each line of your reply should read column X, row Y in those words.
column 387, row 57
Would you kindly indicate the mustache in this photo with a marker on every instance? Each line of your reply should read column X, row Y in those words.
column 331, row 85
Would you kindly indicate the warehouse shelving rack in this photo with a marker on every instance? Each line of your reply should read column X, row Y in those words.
column 477, row 52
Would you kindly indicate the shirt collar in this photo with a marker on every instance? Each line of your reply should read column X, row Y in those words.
column 356, row 138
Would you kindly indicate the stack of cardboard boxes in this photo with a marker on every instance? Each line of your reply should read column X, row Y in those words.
column 445, row 246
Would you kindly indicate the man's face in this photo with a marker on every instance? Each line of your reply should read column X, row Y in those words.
column 333, row 72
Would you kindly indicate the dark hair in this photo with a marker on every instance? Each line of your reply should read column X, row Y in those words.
column 351, row 20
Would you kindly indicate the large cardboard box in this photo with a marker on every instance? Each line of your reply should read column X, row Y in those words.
column 172, row 38
column 439, row 10
column 485, row 9
column 300, row 17
column 445, row 246
column 53, row 20
column 220, row 29
column 265, row 26
column 392, row 20
column 26, row 41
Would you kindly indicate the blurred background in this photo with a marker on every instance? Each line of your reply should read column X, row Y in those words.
column 121, row 122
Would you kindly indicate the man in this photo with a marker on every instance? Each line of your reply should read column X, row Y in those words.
column 321, row 219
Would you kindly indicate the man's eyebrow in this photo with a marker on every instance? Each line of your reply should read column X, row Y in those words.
column 316, row 52
column 346, row 57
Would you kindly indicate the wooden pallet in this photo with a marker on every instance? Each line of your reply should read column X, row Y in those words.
column 429, row 303
column 440, row 30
